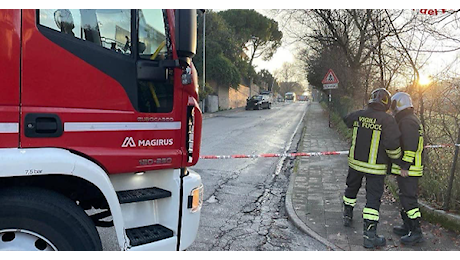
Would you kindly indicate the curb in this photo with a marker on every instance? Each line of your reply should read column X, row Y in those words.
column 222, row 112
column 293, row 216
column 448, row 220
column 429, row 213
column 299, row 223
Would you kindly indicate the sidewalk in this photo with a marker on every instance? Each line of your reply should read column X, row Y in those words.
column 316, row 191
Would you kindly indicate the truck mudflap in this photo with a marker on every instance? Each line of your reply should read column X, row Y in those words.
column 191, row 208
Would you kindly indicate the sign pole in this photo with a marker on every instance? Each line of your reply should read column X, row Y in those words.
column 330, row 108
column 330, row 82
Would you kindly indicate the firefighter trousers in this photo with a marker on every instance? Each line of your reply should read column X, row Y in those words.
column 374, row 191
column 408, row 188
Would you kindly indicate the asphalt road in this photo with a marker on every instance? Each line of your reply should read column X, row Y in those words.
column 244, row 199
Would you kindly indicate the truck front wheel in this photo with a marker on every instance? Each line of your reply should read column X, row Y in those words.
column 43, row 220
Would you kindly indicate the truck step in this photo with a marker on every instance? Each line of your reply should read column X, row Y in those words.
column 128, row 196
column 148, row 234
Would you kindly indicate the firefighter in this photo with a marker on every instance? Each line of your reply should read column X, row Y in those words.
column 409, row 168
column 375, row 140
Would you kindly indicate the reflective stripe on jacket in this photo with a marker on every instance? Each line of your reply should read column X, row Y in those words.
column 411, row 143
column 375, row 140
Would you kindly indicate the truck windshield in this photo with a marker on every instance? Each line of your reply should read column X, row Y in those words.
column 289, row 96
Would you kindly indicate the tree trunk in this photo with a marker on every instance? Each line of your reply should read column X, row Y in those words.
column 452, row 174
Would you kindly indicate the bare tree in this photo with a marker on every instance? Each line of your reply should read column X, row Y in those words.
column 392, row 49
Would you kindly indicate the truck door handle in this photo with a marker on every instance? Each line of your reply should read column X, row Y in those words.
column 38, row 125
column 46, row 125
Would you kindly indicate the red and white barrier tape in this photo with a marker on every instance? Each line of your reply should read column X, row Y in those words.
column 441, row 145
column 268, row 155
column 271, row 155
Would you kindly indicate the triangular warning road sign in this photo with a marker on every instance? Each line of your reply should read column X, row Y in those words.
column 330, row 78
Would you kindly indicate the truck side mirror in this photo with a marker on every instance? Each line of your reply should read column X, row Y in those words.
column 186, row 30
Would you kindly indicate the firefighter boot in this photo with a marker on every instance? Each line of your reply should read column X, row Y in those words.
column 347, row 215
column 371, row 239
column 404, row 228
column 415, row 233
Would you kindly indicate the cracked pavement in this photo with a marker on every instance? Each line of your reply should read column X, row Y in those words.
column 244, row 201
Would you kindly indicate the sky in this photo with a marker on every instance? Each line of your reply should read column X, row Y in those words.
column 434, row 65
column 284, row 54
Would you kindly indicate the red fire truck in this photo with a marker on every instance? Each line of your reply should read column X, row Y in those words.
column 98, row 123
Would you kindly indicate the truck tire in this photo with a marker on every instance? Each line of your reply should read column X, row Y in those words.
column 43, row 220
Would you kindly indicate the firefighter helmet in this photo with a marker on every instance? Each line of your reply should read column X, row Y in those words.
column 381, row 96
column 400, row 101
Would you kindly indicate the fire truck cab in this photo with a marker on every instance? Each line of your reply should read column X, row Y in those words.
column 99, row 121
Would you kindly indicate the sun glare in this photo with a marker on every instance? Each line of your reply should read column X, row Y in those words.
column 424, row 80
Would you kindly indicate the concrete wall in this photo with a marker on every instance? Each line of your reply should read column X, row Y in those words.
column 231, row 98
column 237, row 98
column 222, row 92
column 212, row 103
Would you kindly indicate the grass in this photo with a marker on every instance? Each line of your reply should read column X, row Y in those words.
column 338, row 124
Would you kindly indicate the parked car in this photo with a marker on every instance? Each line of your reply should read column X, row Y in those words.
column 258, row 102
